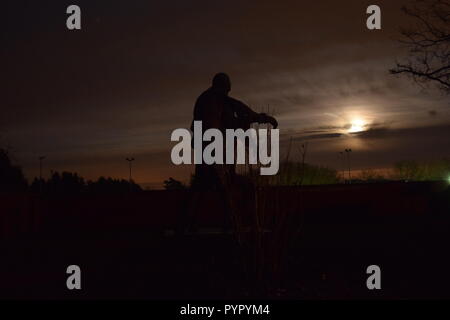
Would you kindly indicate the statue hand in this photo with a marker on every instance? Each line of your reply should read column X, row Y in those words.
column 272, row 121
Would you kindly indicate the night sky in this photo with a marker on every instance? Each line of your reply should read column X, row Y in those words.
column 117, row 88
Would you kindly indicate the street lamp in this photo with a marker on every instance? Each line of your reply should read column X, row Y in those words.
column 348, row 161
column 341, row 154
column 130, row 160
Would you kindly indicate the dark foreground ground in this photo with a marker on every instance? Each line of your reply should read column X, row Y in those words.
column 126, row 249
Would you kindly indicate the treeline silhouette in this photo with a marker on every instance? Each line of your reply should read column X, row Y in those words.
column 173, row 184
column 12, row 179
column 422, row 171
column 68, row 182
column 11, row 176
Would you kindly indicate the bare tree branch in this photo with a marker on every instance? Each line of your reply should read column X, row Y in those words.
column 428, row 44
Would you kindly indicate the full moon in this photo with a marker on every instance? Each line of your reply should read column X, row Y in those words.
column 357, row 125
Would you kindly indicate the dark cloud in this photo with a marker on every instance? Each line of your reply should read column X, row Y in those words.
column 373, row 133
column 319, row 136
column 434, row 133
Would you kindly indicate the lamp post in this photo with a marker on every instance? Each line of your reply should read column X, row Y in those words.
column 348, row 161
column 341, row 154
column 130, row 160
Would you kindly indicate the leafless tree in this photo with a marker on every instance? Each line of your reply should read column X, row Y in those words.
column 428, row 43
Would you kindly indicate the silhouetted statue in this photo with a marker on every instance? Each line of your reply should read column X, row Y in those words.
column 218, row 110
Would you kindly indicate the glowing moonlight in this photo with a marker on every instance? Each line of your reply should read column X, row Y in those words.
column 357, row 125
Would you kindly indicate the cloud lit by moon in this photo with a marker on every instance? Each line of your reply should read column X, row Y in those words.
column 357, row 125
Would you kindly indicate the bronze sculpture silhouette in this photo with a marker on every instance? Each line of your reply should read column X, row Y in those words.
column 216, row 109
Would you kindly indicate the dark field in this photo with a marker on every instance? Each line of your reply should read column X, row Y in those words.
column 317, row 244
